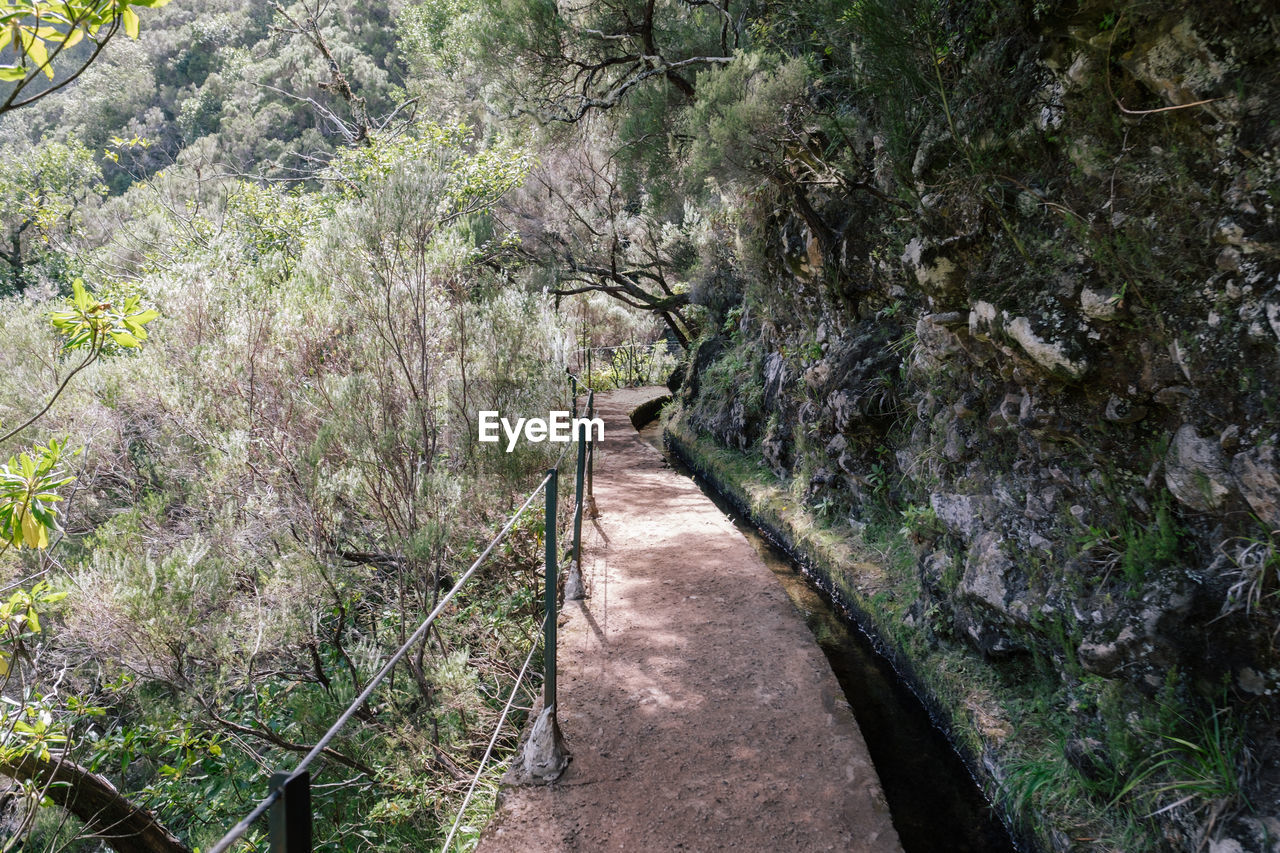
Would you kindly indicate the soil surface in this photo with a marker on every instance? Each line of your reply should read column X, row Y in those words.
column 699, row 711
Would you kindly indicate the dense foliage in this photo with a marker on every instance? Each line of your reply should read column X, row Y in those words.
column 250, row 464
column 264, row 263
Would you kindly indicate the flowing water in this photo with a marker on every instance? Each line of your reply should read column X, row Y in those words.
column 936, row 805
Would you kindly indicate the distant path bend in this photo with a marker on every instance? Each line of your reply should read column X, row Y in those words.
column 699, row 710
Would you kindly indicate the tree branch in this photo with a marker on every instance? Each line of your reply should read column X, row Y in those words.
column 276, row 740
column 11, row 103
column 94, row 352
column 108, row 814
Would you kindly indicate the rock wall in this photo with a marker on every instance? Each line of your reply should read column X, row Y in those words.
column 1052, row 389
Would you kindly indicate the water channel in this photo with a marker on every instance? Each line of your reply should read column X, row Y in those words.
column 937, row 806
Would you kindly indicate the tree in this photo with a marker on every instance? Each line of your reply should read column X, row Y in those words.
column 41, row 190
column 90, row 796
column 334, row 525
column 604, row 216
column 34, row 745
column 39, row 34
column 576, row 221
column 357, row 129
column 564, row 60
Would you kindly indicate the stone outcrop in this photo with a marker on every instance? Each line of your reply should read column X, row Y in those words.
column 1195, row 471
column 1257, row 471
column 1066, row 380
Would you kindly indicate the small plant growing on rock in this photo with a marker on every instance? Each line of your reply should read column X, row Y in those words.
column 1148, row 547
column 1198, row 767
column 1138, row 549
column 920, row 524
column 1257, row 566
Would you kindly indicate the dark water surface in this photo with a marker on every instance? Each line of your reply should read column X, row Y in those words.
column 936, row 805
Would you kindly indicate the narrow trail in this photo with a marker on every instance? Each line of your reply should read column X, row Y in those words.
column 700, row 713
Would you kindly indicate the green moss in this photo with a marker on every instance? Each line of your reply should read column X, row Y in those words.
column 1020, row 716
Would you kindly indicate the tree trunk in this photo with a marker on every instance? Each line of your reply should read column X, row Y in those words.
column 108, row 814
column 15, row 259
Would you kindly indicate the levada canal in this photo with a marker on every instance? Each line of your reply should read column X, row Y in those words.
column 937, row 806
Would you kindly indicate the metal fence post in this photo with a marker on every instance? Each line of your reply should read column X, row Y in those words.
column 583, row 431
column 573, row 587
column 289, row 822
column 573, row 395
column 591, row 446
column 543, row 757
column 549, row 635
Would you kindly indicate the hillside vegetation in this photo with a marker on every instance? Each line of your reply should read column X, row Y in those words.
column 976, row 304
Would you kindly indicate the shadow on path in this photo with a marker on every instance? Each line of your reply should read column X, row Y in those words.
column 700, row 713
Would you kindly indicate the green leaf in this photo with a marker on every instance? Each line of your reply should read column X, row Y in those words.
column 130, row 20
column 125, row 339
column 34, row 46
column 43, row 516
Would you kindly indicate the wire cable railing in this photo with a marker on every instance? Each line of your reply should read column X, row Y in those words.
column 497, row 730
column 288, row 801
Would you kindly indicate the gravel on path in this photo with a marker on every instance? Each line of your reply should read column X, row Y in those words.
column 700, row 712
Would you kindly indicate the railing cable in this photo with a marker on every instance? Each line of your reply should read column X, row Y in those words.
column 515, row 688
column 243, row 826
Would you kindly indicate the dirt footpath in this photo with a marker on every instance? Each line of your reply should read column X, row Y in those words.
column 700, row 713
